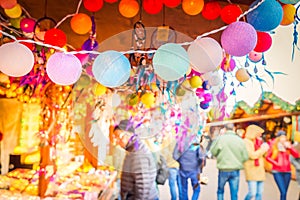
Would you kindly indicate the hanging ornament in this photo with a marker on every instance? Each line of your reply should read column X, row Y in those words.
column 192, row 7
column 27, row 25
column 129, row 8
column 93, row 5
column 228, row 64
column 289, row 12
column 152, row 6
column 211, row 10
column 81, row 23
column 172, row 3
column 230, row 13
column 242, row 75
column 264, row 42
column 55, row 37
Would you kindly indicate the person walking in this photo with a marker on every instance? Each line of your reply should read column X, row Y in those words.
column 191, row 161
column 254, row 167
column 230, row 151
column 279, row 156
column 139, row 168
column 296, row 163
column 173, row 167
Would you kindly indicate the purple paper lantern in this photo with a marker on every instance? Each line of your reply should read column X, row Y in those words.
column 238, row 39
column 27, row 25
column 63, row 69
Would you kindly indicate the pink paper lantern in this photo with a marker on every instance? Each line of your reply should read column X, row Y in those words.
column 63, row 69
column 238, row 39
column 255, row 56
column 16, row 59
column 27, row 25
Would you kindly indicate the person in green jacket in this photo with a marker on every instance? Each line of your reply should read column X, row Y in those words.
column 230, row 151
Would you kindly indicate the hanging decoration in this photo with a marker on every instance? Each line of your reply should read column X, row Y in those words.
column 93, row 5
column 289, row 12
column 192, row 7
column 230, row 13
column 81, row 23
column 129, row 8
column 22, row 62
column 238, row 39
column 205, row 54
column 211, row 10
column 152, row 6
column 265, row 17
column 264, row 42
column 170, row 62
column 111, row 69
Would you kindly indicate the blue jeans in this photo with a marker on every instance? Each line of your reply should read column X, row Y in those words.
column 184, row 176
column 233, row 177
column 255, row 189
column 174, row 180
column 282, row 180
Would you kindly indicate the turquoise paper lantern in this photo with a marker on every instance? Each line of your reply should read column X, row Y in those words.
column 266, row 16
column 289, row 1
column 111, row 69
column 171, row 62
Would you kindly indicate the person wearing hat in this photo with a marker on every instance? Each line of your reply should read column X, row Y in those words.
column 139, row 168
column 230, row 151
column 254, row 167
column 279, row 156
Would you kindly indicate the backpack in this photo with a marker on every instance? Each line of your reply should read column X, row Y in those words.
column 162, row 171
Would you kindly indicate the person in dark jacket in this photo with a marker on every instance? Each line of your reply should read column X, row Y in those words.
column 191, row 161
column 139, row 169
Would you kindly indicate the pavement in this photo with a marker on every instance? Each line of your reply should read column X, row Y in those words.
column 209, row 191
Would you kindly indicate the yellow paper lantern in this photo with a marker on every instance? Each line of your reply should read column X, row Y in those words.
column 81, row 23
column 195, row 82
column 14, row 12
column 148, row 99
column 242, row 75
column 99, row 89
column 129, row 8
column 192, row 7
column 289, row 12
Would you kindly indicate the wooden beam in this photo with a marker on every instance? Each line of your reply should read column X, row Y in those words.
column 253, row 118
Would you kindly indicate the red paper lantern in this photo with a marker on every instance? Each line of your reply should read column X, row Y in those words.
column 129, row 8
column 93, row 5
column 230, row 13
column 30, row 46
column 1, row 136
column 211, row 10
column 172, row 3
column 152, row 6
column 264, row 42
column 55, row 37
column 111, row 1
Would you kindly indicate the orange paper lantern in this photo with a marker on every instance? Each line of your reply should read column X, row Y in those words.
column 129, row 8
column 81, row 23
column 192, row 7
column 289, row 12
column 242, row 75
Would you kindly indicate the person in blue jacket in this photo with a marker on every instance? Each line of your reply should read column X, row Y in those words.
column 191, row 161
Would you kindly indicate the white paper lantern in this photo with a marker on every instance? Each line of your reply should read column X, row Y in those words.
column 205, row 54
column 16, row 59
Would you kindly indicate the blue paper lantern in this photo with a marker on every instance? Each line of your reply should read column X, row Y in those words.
column 171, row 62
column 266, row 16
column 111, row 69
